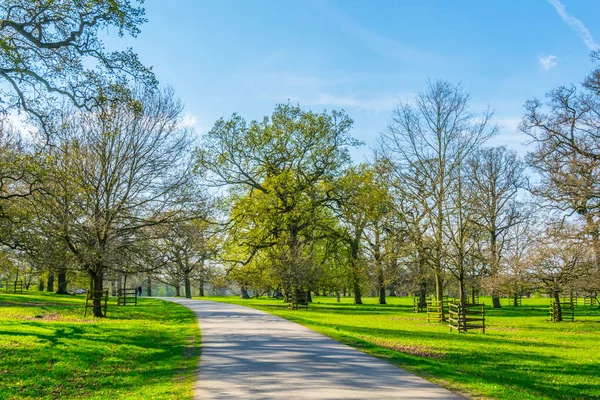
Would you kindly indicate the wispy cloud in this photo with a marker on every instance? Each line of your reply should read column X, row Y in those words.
column 385, row 46
column 575, row 24
column 548, row 62
column 371, row 104
column 384, row 103
column 189, row 121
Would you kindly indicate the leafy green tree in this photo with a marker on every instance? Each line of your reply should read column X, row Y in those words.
column 361, row 201
column 186, row 246
column 277, row 171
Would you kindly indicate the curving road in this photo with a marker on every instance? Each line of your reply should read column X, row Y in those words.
column 249, row 354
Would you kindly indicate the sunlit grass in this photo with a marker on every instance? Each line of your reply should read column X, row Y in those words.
column 48, row 351
column 521, row 356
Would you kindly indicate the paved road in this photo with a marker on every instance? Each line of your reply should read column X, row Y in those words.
column 249, row 354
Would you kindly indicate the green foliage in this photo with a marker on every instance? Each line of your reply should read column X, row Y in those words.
column 278, row 171
column 48, row 351
column 522, row 355
column 52, row 48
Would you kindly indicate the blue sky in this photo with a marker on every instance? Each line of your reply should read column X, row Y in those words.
column 226, row 56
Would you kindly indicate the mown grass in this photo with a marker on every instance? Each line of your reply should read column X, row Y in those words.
column 521, row 356
column 48, row 351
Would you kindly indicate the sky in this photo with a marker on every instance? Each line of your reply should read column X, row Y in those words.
column 245, row 56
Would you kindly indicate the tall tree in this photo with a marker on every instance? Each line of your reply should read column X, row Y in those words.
column 360, row 201
column 432, row 136
column 566, row 134
column 187, row 245
column 276, row 170
column 496, row 174
column 115, row 173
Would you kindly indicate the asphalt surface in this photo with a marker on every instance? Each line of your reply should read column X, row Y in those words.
column 249, row 354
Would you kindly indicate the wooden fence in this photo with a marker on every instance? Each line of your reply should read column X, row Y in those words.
column 467, row 317
column 127, row 296
column 89, row 297
column 14, row 287
column 435, row 311
column 419, row 304
column 298, row 299
column 565, row 312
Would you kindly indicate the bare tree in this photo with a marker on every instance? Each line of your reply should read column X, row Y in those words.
column 559, row 259
column 115, row 173
column 432, row 136
column 496, row 175
column 566, row 132
column 460, row 230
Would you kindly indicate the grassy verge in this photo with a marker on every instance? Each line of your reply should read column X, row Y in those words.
column 521, row 356
column 48, row 351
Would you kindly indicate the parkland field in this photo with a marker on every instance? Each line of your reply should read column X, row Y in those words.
column 49, row 351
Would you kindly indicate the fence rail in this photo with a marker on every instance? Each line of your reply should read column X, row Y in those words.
column 562, row 311
column 127, row 296
column 14, row 287
column 90, row 296
column 466, row 317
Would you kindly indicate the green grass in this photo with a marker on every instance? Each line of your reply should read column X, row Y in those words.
column 521, row 356
column 48, row 351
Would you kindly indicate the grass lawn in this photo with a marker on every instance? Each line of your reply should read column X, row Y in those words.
column 521, row 356
column 48, row 351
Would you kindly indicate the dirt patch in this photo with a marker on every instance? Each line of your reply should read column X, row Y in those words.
column 419, row 351
column 36, row 304
column 43, row 317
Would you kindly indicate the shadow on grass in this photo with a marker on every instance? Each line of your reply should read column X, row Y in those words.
column 67, row 359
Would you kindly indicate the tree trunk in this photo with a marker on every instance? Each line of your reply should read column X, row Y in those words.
column 244, row 294
column 337, row 295
column 439, row 291
column 496, row 302
column 188, row 285
column 344, row 292
column 50, row 286
column 516, row 300
column 381, row 285
column 201, row 288
column 423, row 294
column 461, row 289
column 149, row 287
column 308, row 296
column 558, row 315
column 356, row 273
column 177, row 290
column 41, row 285
column 62, row 281
column 97, row 294
column 382, row 295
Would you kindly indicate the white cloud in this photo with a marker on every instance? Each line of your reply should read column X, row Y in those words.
column 189, row 121
column 582, row 31
column 548, row 62
column 370, row 104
